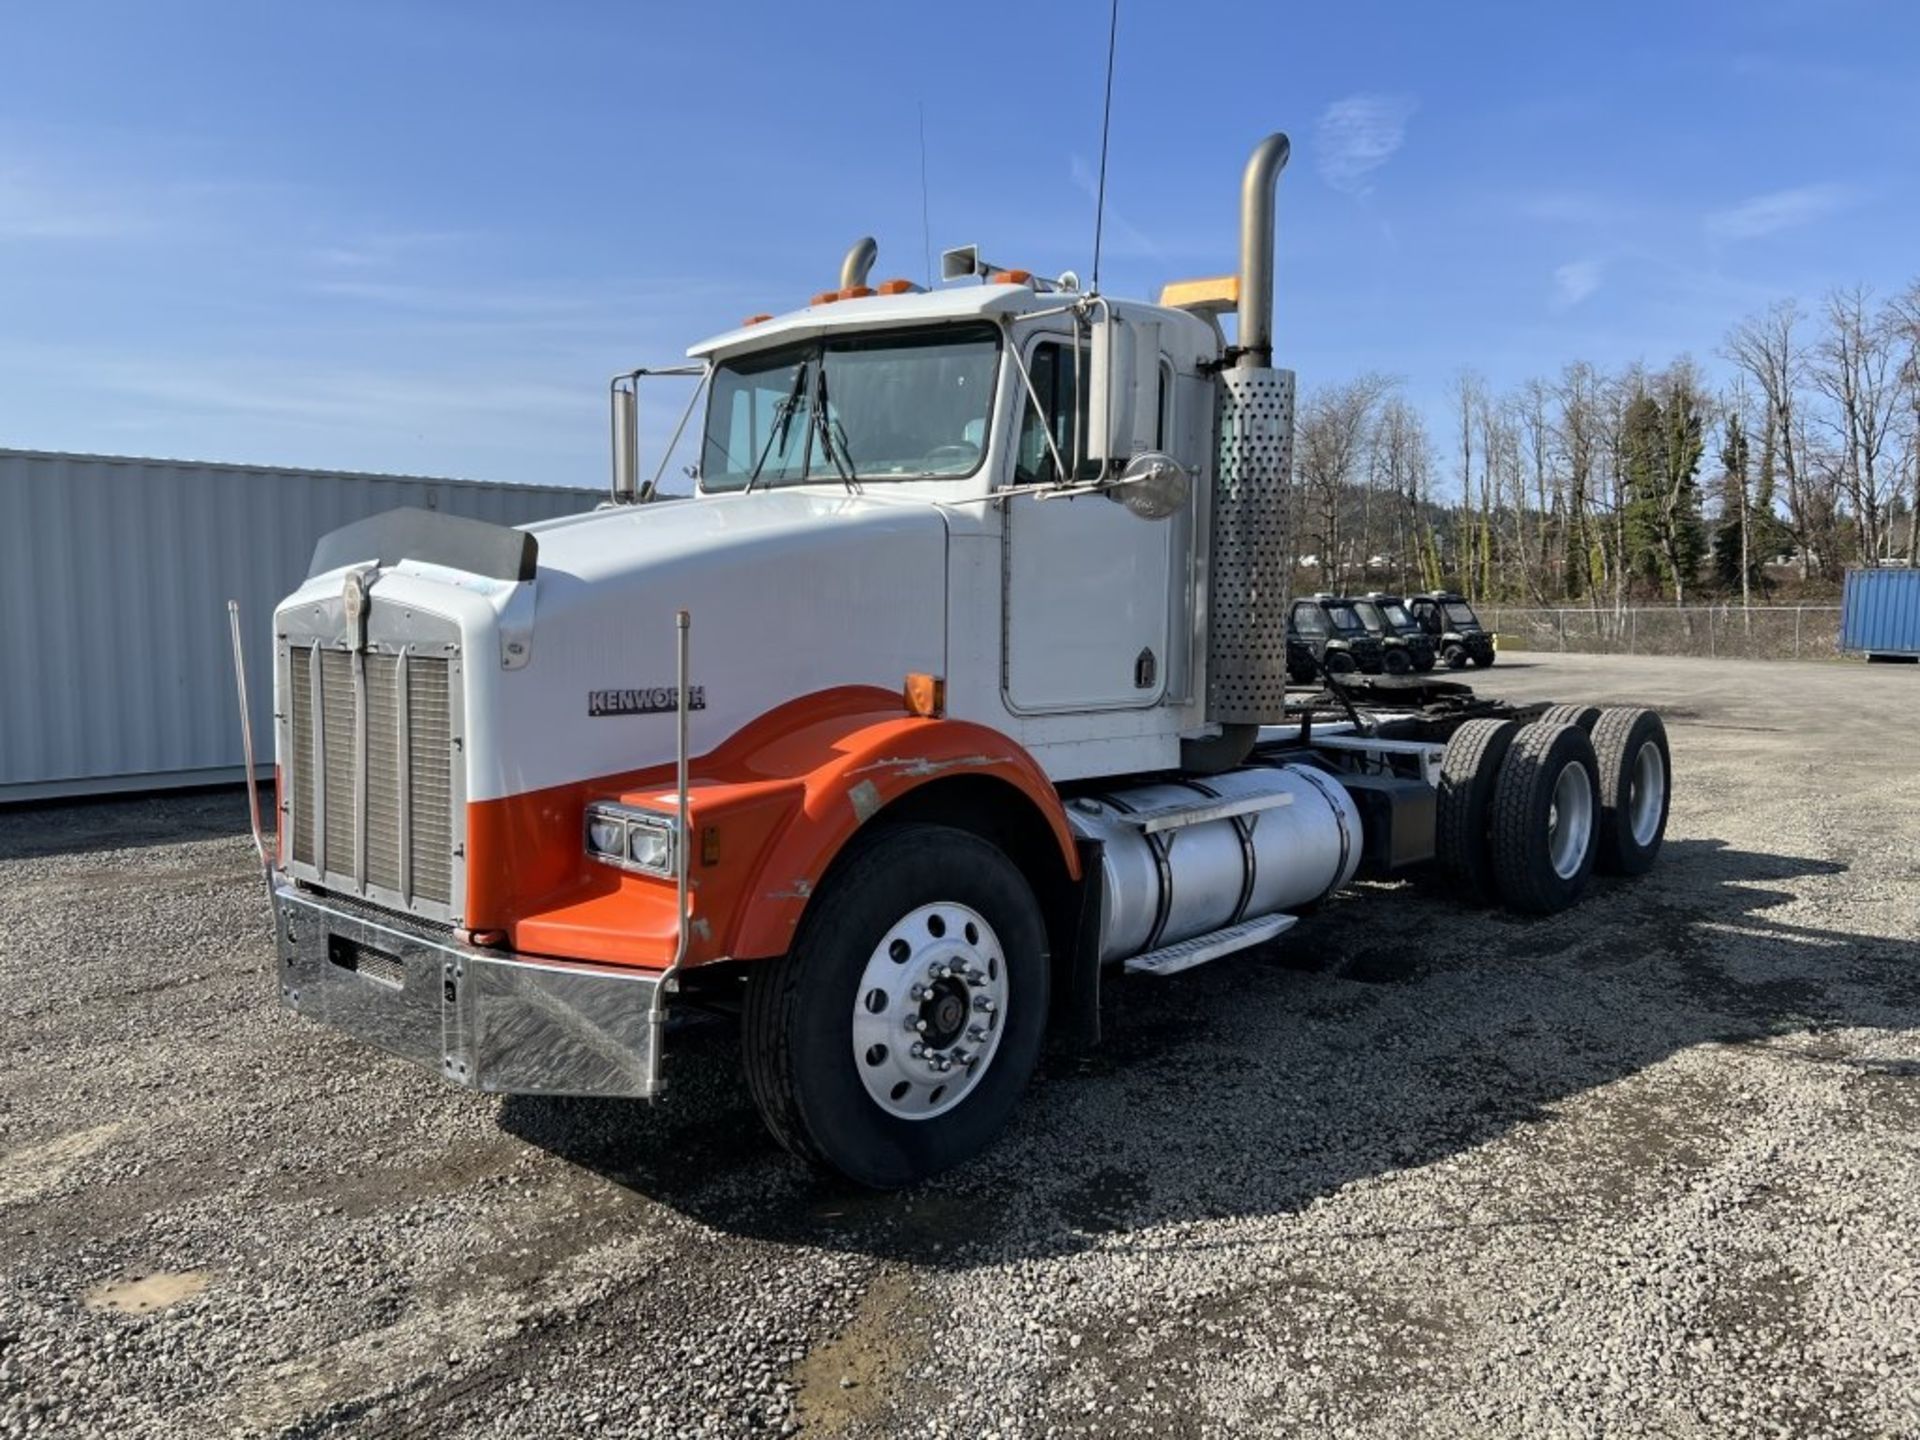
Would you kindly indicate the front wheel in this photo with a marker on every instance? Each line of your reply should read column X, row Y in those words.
column 1398, row 662
column 1340, row 662
column 895, row 1038
column 1455, row 656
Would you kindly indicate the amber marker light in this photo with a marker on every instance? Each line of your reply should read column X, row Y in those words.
column 926, row 695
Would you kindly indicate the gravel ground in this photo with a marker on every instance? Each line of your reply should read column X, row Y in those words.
column 1651, row 1167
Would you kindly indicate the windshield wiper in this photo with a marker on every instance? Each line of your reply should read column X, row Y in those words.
column 824, row 414
column 782, row 426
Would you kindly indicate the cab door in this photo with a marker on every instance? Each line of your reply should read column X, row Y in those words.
column 1085, row 616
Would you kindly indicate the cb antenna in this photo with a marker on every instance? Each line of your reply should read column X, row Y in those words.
column 926, row 228
column 1106, row 124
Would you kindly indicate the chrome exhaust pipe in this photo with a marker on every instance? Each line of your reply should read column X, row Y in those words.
column 1256, row 250
column 859, row 262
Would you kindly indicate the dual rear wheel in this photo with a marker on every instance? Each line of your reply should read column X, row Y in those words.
column 1526, row 813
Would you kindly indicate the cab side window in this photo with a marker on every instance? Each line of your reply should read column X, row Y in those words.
column 1309, row 620
column 1052, row 370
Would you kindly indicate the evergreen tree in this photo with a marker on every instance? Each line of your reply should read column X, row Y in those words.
column 1662, row 441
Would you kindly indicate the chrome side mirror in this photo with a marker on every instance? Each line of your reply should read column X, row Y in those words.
column 1153, row 486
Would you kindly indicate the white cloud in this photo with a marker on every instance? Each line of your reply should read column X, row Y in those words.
column 1574, row 282
column 1357, row 135
column 32, row 210
column 1777, row 210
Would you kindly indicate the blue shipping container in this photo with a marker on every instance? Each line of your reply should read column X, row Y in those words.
column 1880, row 612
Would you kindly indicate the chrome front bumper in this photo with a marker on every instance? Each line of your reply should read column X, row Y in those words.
column 482, row 1019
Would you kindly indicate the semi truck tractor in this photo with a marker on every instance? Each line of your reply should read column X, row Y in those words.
column 955, row 692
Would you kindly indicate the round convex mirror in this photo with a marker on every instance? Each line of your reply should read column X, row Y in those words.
column 1152, row 486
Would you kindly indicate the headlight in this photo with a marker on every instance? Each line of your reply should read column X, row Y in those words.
column 632, row 839
column 606, row 835
column 650, row 845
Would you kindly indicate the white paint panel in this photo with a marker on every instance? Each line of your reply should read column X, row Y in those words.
column 114, row 578
column 1086, row 594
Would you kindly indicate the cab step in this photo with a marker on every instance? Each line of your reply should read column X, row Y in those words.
column 1170, row 959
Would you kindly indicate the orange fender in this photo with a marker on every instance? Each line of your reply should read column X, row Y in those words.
column 768, row 812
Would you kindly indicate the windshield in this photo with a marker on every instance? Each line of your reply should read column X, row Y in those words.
column 897, row 405
column 1370, row 614
column 1461, row 613
column 1343, row 617
column 1308, row 620
column 1398, row 617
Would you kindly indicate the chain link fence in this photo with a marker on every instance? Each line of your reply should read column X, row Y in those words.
column 1762, row 632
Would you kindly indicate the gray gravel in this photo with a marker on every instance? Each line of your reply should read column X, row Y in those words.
column 1651, row 1167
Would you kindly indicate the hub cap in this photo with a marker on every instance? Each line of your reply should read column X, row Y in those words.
column 1647, row 793
column 930, row 1010
column 1570, row 820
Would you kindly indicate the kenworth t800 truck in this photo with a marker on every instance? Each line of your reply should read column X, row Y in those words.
column 955, row 689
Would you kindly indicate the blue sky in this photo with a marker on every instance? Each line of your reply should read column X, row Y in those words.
column 419, row 237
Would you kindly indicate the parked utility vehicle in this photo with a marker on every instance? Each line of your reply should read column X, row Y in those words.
column 958, row 686
column 1455, row 628
column 1387, row 618
column 1342, row 645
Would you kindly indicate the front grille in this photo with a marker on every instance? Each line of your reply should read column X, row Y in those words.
column 371, row 793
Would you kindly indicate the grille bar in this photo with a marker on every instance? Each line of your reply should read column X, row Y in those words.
column 371, row 748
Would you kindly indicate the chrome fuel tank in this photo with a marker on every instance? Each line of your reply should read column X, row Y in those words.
column 1166, row 881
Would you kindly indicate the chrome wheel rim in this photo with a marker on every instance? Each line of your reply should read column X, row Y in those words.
column 1570, row 820
column 1647, row 793
column 930, row 1010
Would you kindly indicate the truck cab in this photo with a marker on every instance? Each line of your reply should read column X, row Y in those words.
column 1387, row 617
column 1449, row 620
column 1342, row 644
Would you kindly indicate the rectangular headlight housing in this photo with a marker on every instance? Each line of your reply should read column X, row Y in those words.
column 632, row 839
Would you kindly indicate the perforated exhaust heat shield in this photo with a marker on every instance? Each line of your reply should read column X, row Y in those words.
column 1251, row 567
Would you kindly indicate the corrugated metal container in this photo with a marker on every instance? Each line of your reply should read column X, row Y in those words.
column 1880, row 612
column 115, row 662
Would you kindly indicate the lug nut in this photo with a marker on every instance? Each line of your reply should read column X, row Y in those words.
column 977, row 1033
column 983, row 1004
column 945, row 1064
column 918, row 1050
column 917, row 993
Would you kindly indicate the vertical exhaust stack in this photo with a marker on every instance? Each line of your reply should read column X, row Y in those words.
column 859, row 263
column 1256, row 249
column 1250, row 568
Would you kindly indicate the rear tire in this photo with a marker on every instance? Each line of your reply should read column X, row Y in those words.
column 1585, row 716
column 1425, row 662
column 808, row 1014
column 1463, row 806
column 1636, row 788
column 1398, row 662
column 1546, row 818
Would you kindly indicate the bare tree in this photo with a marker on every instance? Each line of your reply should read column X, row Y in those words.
column 1765, row 347
column 1854, row 369
column 1329, row 457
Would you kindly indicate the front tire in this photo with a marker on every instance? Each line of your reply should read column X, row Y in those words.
column 1339, row 662
column 1398, row 662
column 1455, row 656
column 921, row 923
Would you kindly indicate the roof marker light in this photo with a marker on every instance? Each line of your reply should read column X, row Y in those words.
column 760, row 319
